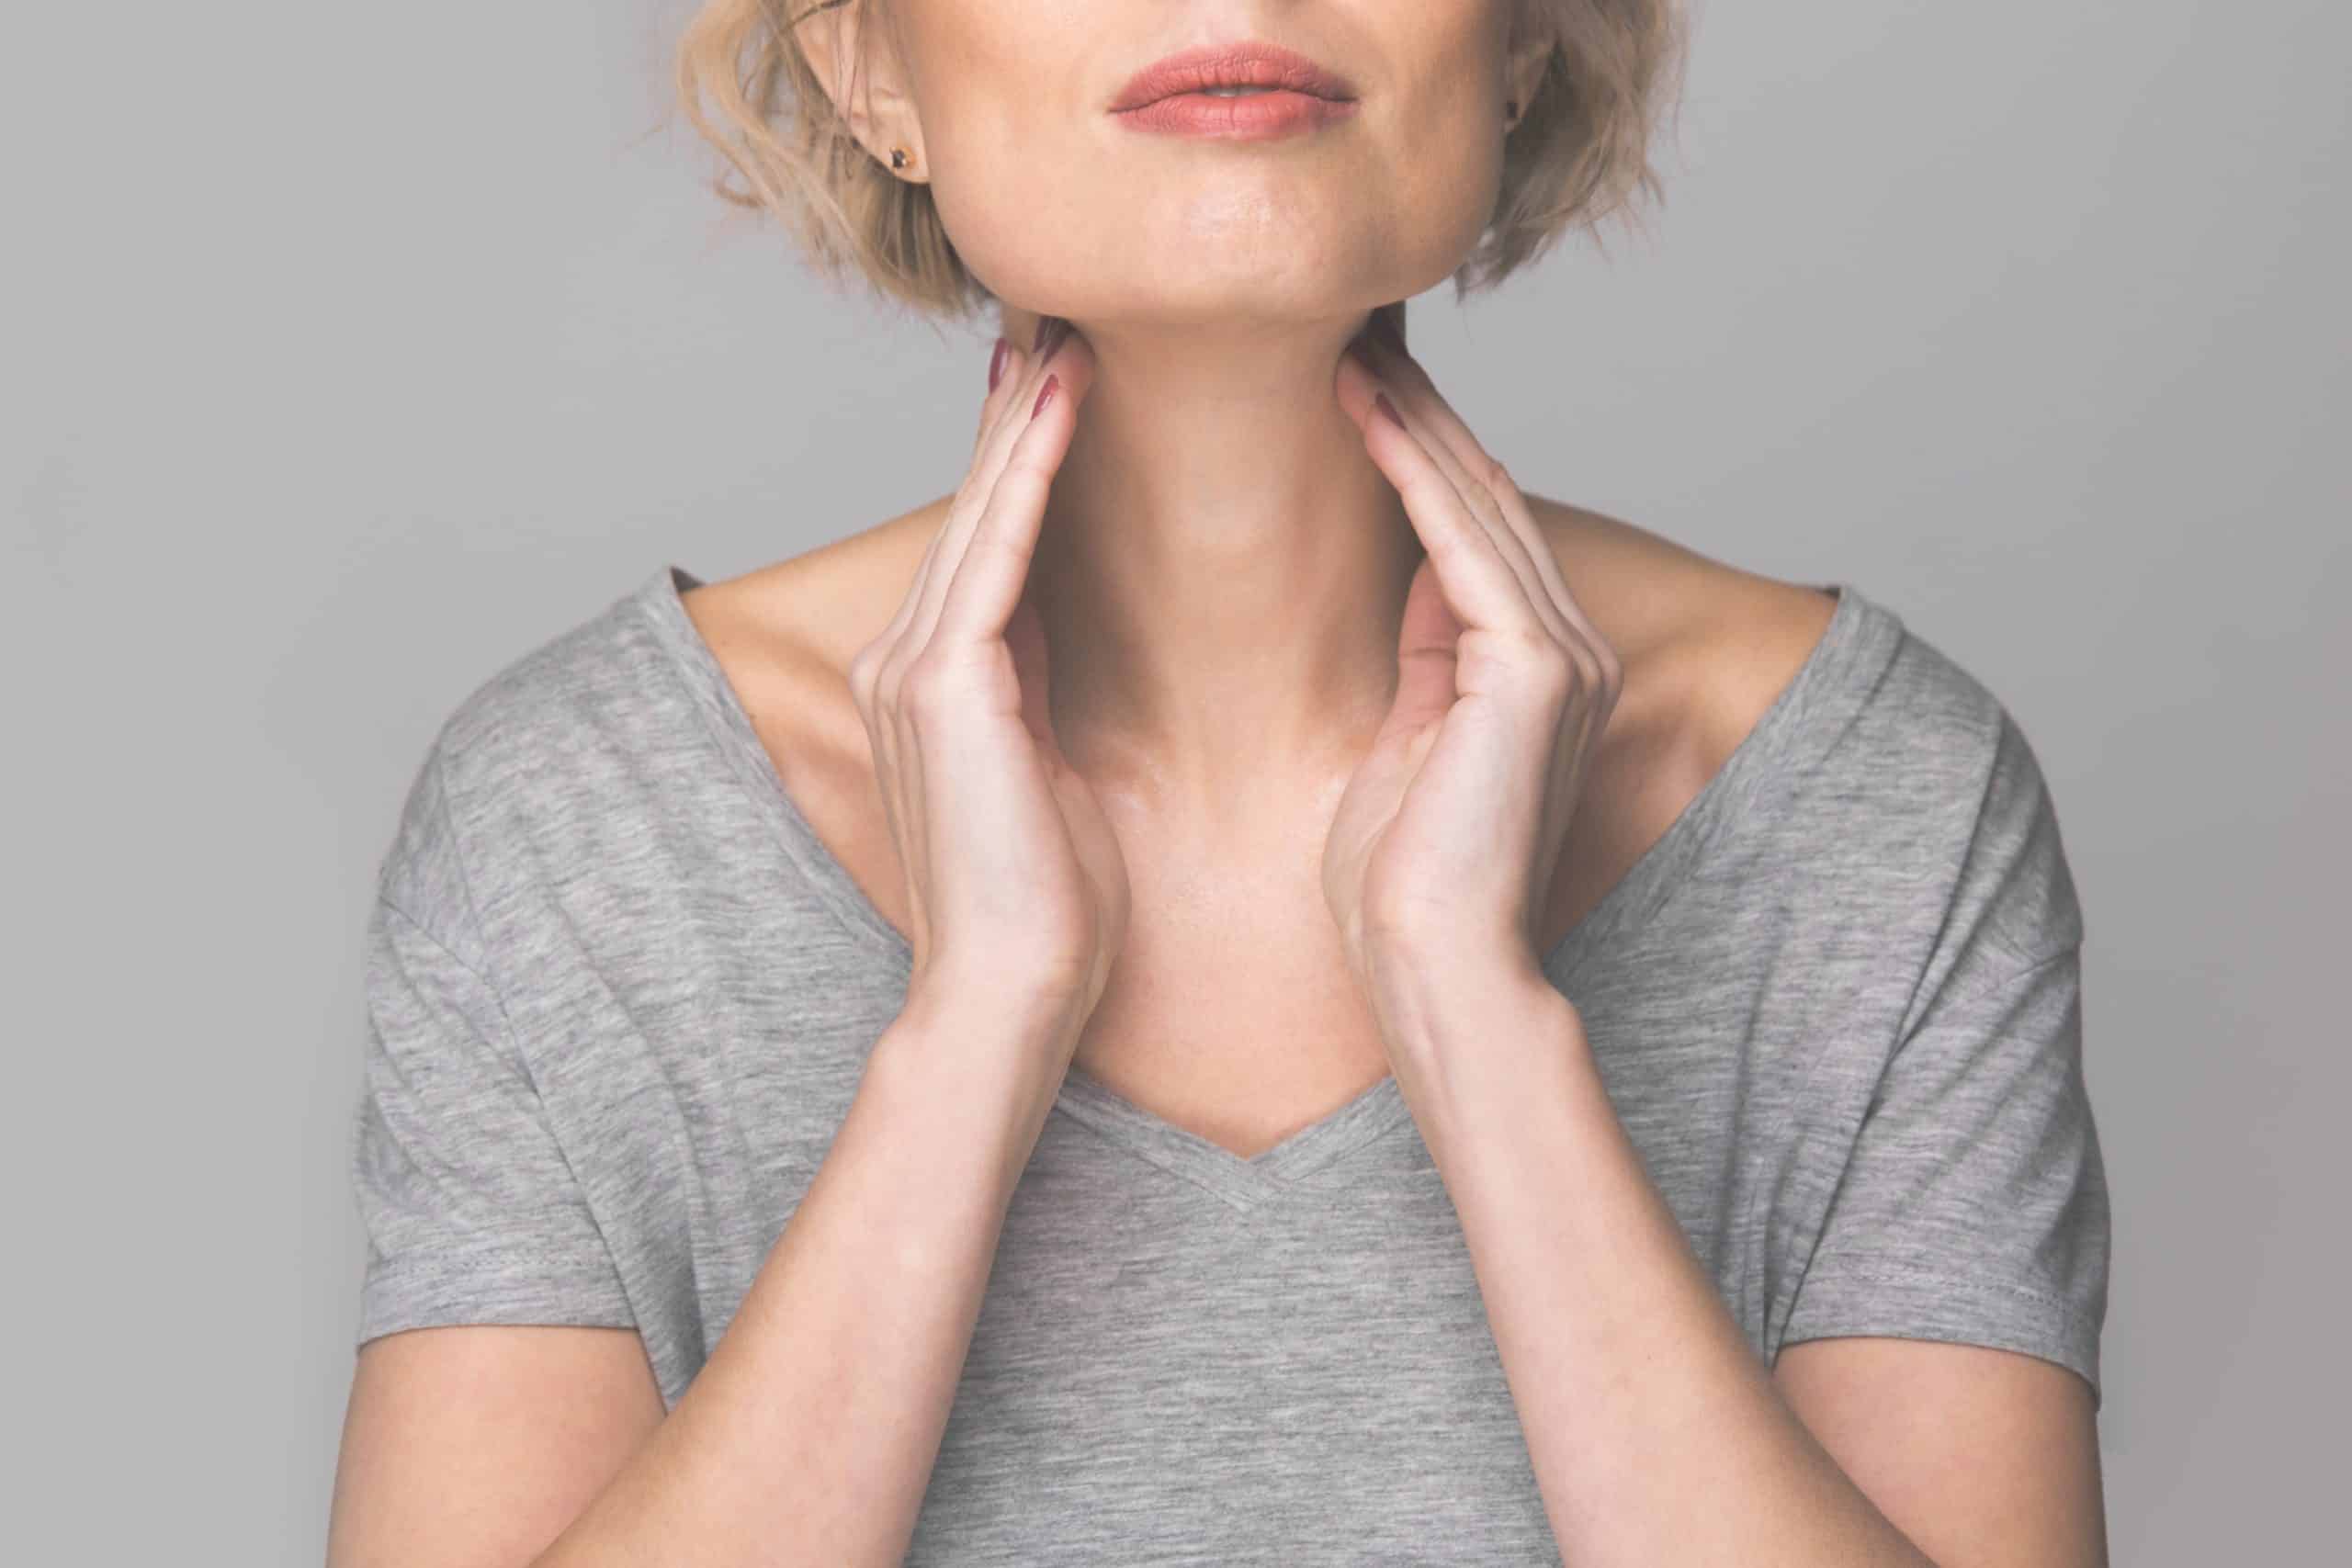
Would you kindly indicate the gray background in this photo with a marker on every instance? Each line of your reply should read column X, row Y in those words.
column 350, row 352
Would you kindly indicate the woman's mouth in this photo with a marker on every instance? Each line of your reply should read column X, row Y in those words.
column 1241, row 91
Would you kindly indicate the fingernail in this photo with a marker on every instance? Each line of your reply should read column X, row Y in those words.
column 996, row 361
column 1381, row 404
column 1045, row 395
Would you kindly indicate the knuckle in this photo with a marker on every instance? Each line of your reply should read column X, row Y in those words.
column 865, row 669
column 1533, row 645
column 1403, row 920
column 928, row 689
column 1588, row 671
column 1446, row 542
column 890, row 679
column 1543, row 664
column 1558, row 675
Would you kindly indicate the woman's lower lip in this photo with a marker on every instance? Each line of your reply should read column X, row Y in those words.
column 1246, row 118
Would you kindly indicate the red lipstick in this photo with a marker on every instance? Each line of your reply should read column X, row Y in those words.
column 1171, row 95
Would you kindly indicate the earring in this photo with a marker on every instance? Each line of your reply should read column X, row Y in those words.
column 1510, row 113
column 900, row 157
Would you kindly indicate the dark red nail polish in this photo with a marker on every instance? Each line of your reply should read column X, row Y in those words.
column 996, row 361
column 1045, row 395
column 1381, row 404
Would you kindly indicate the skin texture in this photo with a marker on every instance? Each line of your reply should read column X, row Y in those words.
column 1213, row 597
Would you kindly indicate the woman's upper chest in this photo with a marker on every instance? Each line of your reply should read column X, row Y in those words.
column 1231, row 1011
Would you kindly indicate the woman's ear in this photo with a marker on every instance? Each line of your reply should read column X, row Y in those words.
column 1535, row 37
column 860, row 70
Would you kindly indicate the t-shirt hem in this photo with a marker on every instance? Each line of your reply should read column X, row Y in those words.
column 1961, row 1309
column 443, row 1294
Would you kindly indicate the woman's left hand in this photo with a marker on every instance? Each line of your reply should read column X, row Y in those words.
column 1443, row 849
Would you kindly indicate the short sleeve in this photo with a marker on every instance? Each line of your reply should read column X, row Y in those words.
column 1973, row 1207
column 471, row 1210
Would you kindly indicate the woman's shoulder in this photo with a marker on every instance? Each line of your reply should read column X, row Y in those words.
column 810, row 613
column 1879, row 736
column 594, row 683
column 784, row 635
column 613, row 675
column 1724, row 638
column 1727, row 641
column 1708, row 647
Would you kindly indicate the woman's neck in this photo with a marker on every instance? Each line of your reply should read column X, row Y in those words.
column 1222, row 568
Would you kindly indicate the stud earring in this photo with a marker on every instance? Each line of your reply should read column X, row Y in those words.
column 900, row 157
column 1510, row 113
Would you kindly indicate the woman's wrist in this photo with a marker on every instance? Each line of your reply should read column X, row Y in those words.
column 990, row 1056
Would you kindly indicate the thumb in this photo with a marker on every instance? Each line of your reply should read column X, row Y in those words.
column 1425, row 653
column 1025, row 636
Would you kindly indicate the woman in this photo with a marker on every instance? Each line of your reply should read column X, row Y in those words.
column 1564, row 1049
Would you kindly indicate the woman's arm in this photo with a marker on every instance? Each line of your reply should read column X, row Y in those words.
column 1975, row 1196
column 810, row 1434
column 1655, row 1433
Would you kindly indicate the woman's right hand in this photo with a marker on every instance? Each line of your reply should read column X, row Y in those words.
column 1014, row 880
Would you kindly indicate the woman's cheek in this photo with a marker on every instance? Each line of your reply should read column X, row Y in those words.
column 1024, row 223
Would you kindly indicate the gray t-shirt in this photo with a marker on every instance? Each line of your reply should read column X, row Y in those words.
column 620, row 995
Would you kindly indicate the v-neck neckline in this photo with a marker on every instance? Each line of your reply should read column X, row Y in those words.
column 1806, row 713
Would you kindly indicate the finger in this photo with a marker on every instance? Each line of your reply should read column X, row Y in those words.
column 1395, row 363
column 988, row 577
column 889, row 730
column 1009, row 377
column 1426, row 406
column 1025, row 636
column 1000, row 423
column 1588, row 653
column 999, row 397
column 1064, row 358
column 1004, row 415
column 1401, row 396
column 1595, row 661
column 1466, row 462
column 1479, row 582
column 893, row 634
column 1476, row 499
column 1427, row 638
column 1411, row 388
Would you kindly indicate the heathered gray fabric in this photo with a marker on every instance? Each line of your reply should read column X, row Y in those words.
column 619, row 997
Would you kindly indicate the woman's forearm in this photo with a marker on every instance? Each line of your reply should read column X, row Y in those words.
column 810, row 1434
column 1635, row 1389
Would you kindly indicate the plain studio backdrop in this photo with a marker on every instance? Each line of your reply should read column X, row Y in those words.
column 350, row 352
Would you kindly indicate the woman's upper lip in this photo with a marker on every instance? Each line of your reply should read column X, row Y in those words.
column 1247, row 63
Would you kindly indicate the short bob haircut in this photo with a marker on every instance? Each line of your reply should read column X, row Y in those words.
column 1580, row 152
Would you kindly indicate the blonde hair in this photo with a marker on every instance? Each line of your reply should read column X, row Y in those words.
column 1579, row 155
